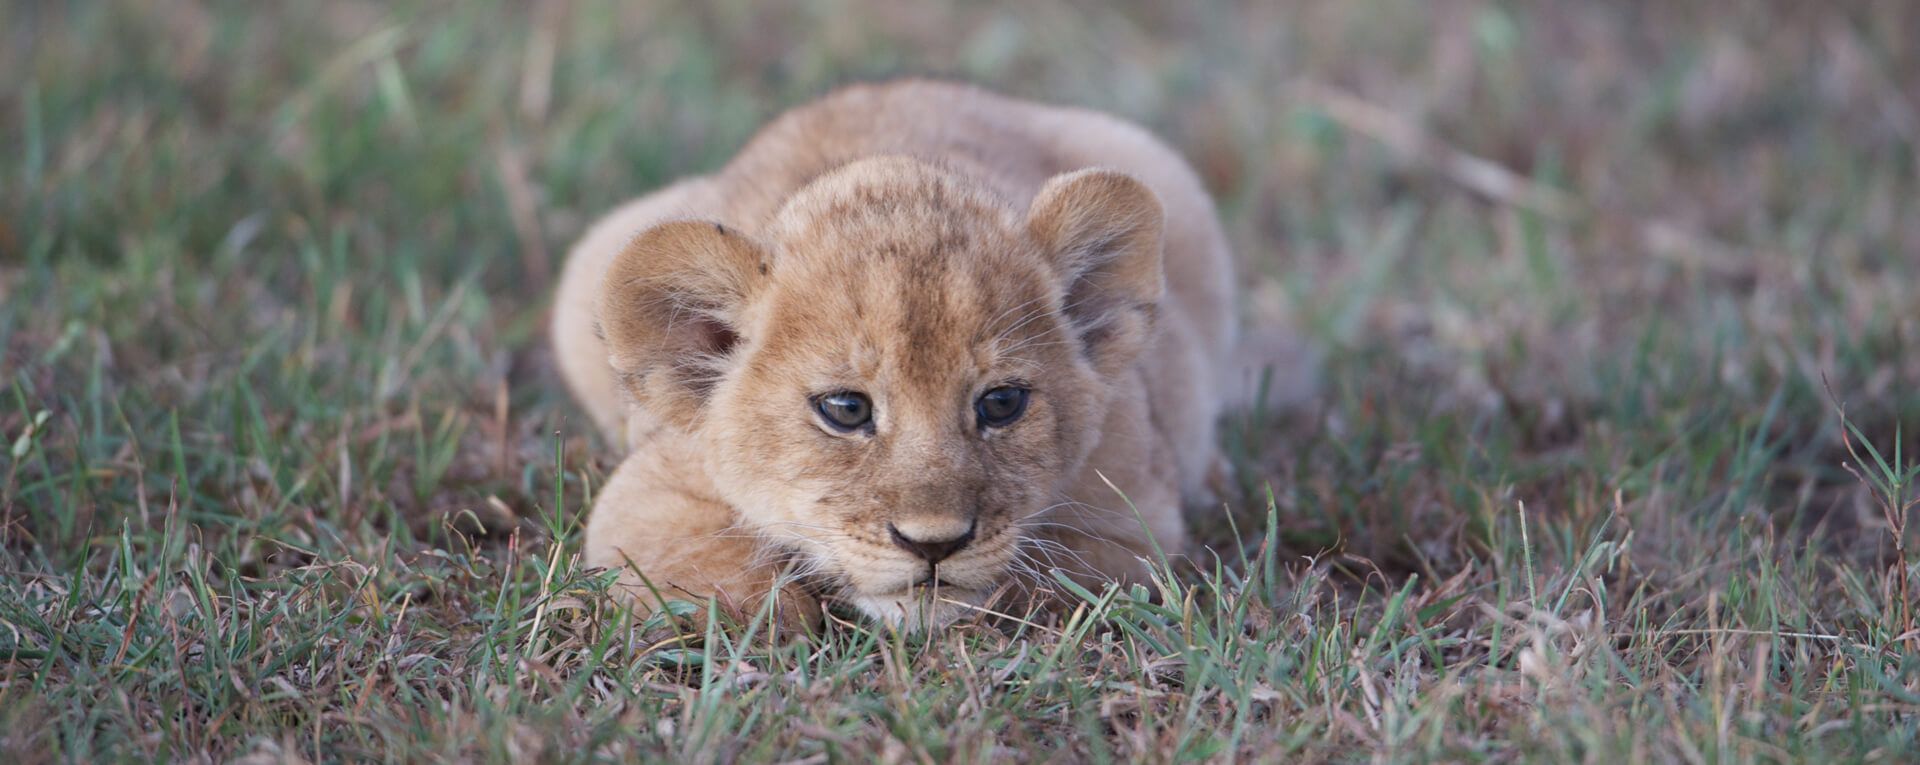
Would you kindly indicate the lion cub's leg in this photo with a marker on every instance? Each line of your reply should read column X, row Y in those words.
column 670, row 541
column 1110, row 544
column 1126, row 508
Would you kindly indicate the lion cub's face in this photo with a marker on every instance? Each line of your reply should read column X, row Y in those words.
column 895, row 379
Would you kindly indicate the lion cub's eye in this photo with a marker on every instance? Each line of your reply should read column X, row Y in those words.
column 845, row 411
column 999, row 407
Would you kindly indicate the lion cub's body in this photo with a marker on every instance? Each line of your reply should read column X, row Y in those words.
column 918, row 243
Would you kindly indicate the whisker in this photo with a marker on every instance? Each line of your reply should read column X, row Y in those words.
column 1003, row 314
column 1049, row 549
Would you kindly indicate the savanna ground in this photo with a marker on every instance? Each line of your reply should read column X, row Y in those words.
column 286, row 473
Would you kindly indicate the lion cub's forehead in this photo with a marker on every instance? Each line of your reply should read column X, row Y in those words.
column 892, row 206
column 894, row 309
column 911, row 277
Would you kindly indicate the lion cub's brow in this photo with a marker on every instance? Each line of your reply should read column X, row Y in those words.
column 917, row 323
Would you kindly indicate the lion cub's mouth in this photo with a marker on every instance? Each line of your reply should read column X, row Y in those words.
column 927, row 589
column 918, row 607
column 933, row 581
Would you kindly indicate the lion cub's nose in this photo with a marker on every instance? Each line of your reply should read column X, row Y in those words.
column 935, row 539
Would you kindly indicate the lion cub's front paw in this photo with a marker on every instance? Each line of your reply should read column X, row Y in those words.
column 794, row 610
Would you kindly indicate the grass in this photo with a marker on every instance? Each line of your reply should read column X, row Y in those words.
column 1612, row 458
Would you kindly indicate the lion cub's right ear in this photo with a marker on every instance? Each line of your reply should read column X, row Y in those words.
column 670, row 313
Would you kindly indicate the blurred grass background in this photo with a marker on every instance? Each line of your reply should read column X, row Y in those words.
column 286, row 473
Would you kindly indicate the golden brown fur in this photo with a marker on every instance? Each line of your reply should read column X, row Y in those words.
column 919, row 243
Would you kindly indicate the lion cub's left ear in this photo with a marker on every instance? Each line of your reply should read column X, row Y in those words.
column 670, row 311
column 1102, row 230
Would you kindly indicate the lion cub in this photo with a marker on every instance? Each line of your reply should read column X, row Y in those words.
column 917, row 344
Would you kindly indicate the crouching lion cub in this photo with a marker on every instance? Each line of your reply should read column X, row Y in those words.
column 917, row 344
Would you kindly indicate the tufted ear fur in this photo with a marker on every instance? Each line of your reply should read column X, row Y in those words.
column 670, row 312
column 1102, row 231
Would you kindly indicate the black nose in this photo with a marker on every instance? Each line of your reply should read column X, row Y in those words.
column 931, row 550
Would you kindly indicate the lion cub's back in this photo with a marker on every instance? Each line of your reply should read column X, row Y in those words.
column 1016, row 145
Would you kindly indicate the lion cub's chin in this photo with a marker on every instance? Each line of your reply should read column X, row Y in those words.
column 920, row 608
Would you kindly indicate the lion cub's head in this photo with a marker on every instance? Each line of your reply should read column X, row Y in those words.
column 894, row 380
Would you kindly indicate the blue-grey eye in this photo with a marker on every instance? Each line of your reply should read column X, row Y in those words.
column 1001, row 406
column 845, row 411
